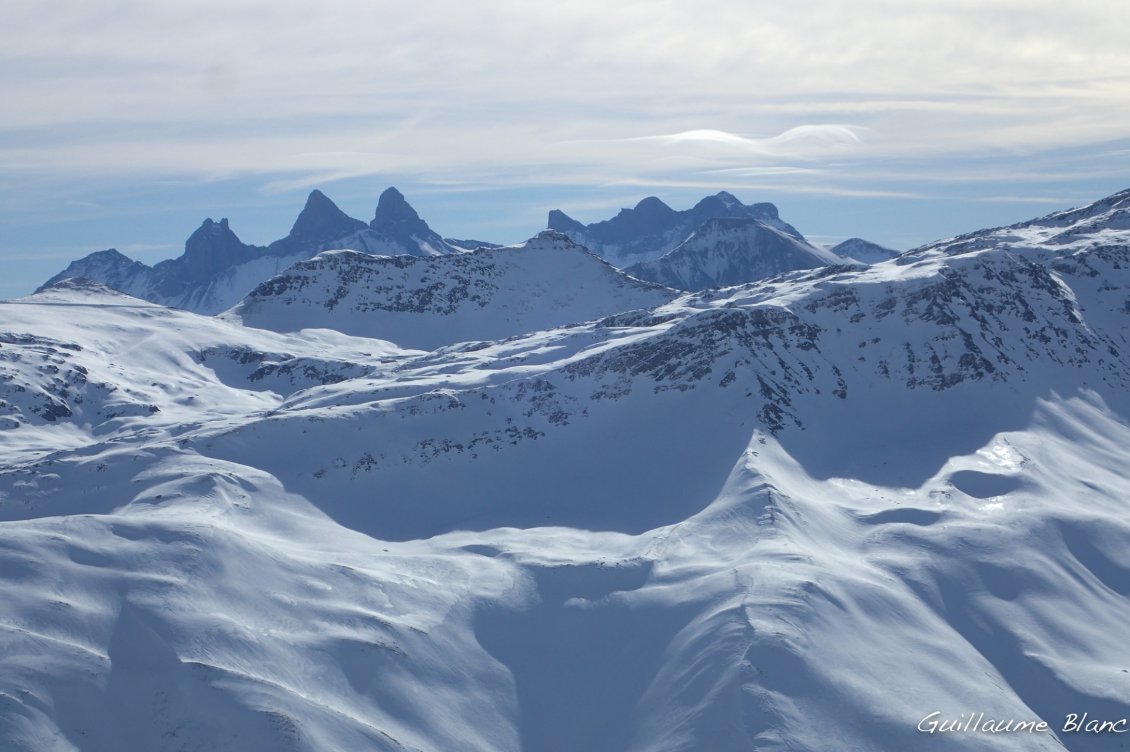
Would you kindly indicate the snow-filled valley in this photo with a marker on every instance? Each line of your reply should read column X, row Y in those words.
column 514, row 499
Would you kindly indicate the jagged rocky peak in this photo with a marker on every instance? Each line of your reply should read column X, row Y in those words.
column 216, row 269
column 653, row 228
column 320, row 224
column 211, row 248
column 559, row 220
column 321, row 219
column 397, row 229
column 209, row 234
column 393, row 211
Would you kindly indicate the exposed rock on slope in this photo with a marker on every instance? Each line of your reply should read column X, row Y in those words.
column 491, row 293
column 725, row 252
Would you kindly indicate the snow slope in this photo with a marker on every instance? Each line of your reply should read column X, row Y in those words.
column 793, row 515
column 487, row 294
column 1094, row 225
column 863, row 251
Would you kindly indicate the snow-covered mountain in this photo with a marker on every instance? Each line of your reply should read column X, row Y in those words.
column 217, row 269
column 652, row 228
column 319, row 226
column 809, row 513
column 1094, row 225
column 724, row 252
column 863, row 251
column 396, row 229
column 488, row 294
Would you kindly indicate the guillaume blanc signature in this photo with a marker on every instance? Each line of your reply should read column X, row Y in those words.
column 978, row 723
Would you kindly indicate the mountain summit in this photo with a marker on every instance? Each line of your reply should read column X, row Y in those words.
column 320, row 222
column 399, row 229
column 209, row 251
column 652, row 228
column 217, row 269
column 394, row 211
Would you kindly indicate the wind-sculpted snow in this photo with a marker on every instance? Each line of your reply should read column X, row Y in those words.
column 140, row 364
column 809, row 513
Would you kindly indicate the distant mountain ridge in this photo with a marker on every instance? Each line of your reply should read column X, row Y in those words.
column 217, row 269
column 718, row 242
column 652, row 228
column 319, row 221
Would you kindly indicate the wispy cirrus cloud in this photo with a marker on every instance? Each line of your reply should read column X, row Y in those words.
column 1005, row 98
column 243, row 87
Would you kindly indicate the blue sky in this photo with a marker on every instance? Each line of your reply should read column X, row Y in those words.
column 125, row 124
